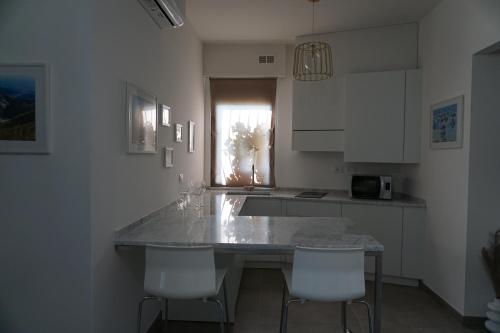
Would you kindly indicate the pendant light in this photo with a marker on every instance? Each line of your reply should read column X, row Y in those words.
column 312, row 60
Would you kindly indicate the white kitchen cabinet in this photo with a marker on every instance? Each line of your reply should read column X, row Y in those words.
column 383, row 117
column 312, row 208
column 318, row 140
column 318, row 120
column 319, row 105
column 413, row 112
column 262, row 207
column 413, row 242
column 385, row 224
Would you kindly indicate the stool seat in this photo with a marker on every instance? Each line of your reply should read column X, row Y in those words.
column 183, row 272
column 325, row 275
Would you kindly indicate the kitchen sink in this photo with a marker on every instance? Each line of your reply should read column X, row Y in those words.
column 257, row 192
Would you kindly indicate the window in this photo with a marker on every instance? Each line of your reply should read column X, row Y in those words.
column 242, row 131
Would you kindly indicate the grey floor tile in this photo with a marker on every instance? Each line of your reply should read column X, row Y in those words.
column 405, row 310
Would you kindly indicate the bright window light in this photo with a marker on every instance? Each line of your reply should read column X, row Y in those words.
column 243, row 133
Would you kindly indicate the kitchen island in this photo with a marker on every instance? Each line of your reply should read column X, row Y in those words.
column 219, row 224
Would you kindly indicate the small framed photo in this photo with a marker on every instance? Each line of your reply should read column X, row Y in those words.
column 25, row 117
column 165, row 114
column 141, row 121
column 191, row 136
column 168, row 157
column 447, row 124
column 178, row 133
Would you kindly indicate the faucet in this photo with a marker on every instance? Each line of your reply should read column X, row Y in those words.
column 253, row 175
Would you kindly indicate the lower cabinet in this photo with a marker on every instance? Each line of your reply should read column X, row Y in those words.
column 400, row 229
column 312, row 208
column 262, row 207
column 385, row 224
column 413, row 242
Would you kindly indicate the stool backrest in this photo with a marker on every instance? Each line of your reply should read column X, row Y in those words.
column 182, row 272
column 324, row 274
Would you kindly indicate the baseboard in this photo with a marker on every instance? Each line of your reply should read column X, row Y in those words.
column 467, row 321
column 474, row 322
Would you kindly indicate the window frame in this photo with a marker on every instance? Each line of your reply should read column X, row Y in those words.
column 213, row 133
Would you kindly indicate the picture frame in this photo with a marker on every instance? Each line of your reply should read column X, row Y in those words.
column 165, row 114
column 191, row 136
column 142, row 124
column 25, row 115
column 446, row 124
column 178, row 133
column 168, row 157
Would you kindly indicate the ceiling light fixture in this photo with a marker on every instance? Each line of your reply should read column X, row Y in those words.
column 312, row 60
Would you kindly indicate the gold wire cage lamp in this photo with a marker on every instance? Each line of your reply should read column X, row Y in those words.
column 312, row 60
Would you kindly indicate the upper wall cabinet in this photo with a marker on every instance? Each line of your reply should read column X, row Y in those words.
column 319, row 105
column 319, row 115
column 383, row 117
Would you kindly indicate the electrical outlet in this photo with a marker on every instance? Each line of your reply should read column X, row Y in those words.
column 181, row 178
column 339, row 169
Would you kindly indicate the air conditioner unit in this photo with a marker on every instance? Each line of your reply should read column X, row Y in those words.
column 164, row 12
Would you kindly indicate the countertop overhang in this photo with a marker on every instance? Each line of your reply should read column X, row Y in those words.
column 218, row 223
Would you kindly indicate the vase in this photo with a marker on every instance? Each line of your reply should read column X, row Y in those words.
column 493, row 315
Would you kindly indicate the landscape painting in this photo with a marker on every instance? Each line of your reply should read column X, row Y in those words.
column 25, row 109
column 446, row 124
column 17, row 108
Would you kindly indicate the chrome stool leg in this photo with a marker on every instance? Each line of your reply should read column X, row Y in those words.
column 139, row 314
column 283, row 298
column 369, row 311
column 345, row 328
column 220, row 310
column 226, row 312
column 285, row 314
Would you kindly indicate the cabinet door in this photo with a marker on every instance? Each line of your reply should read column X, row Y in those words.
column 413, row 242
column 319, row 105
column 261, row 207
column 312, row 208
column 318, row 140
column 413, row 112
column 384, row 224
column 375, row 117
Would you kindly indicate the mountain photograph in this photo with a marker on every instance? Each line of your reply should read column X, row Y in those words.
column 17, row 108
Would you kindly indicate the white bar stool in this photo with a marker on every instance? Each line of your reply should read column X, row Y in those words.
column 183, row 272
column 327, row 275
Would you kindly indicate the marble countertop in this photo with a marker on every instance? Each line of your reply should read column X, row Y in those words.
column 217, row 223
column 341, row 196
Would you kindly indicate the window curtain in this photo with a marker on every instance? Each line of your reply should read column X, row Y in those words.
column 242, row 131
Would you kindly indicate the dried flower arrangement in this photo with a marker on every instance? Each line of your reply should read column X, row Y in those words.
column 491, row 256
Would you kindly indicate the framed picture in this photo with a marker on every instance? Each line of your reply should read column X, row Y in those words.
column 165, row 114
column 25, row 117
column 191, row 136
column 141, row 121
column 168, row 157
column 178, row 133
column 447, row 124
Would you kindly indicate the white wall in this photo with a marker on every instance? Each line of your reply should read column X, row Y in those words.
column 377, row 49
column 484, row 196
column 45, row 236
column 387, row 48
column 242, row 60
column 128, row 46
column 449, row 36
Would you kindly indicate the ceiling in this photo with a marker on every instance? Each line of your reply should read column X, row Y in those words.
column 282, row 20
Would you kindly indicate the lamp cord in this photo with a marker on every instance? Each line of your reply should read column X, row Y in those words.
column 313, row 17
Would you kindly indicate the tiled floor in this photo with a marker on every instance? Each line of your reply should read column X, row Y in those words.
column 405, row 310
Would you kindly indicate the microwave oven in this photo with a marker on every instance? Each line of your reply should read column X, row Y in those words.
column 371, row 187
